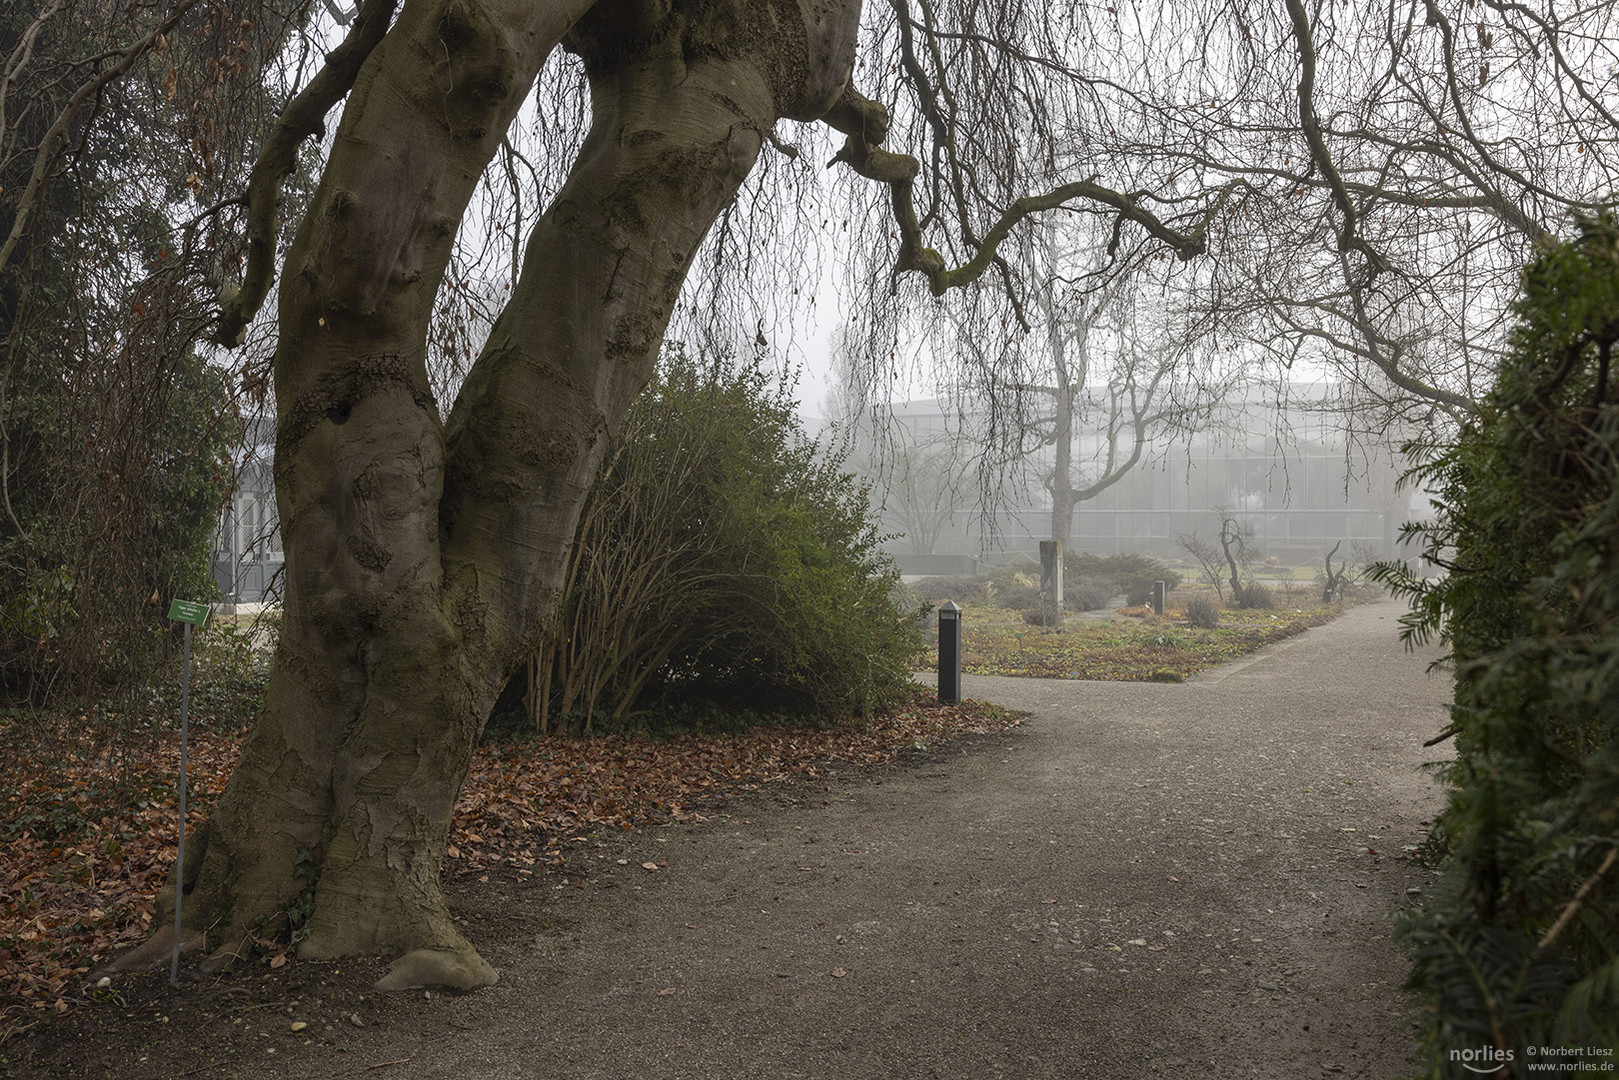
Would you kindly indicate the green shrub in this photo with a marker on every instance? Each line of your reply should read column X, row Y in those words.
column 723, row 557
column 1134, row 574
column 1203, row 611
column 1520, row 948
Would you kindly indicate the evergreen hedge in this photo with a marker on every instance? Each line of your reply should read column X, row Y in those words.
column 1520, row 949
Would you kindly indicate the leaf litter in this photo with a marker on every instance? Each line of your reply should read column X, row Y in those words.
column 88, row 838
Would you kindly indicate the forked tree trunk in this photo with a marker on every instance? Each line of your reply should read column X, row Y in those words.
column 423, row 562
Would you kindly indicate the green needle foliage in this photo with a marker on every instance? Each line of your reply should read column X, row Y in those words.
column 723, row 559
column 1134, row 574
column 1521, row 949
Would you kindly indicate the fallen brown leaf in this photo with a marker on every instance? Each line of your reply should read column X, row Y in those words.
column 92, row 868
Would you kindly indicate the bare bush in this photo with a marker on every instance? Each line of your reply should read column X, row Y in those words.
column 1255, row 596
column 963, row 589
column 1203, row 611
column 1209, row 556
column 1017, row 596
column 1089, row 593
column 1046, row 615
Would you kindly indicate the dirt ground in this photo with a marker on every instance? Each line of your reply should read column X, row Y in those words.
column 1144, row 879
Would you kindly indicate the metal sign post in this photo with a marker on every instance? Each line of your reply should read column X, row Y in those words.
column 192, row 614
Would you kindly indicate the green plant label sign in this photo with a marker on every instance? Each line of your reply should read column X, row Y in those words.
column 189, row 611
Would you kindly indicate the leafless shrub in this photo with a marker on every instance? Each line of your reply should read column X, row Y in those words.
column 1203, row 611
column 1089, row 593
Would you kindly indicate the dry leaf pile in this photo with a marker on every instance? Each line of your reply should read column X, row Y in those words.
column 89, row 836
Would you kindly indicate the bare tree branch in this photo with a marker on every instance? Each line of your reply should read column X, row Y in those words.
column 51, row 145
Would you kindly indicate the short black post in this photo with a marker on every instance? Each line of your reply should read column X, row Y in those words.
column 1158, row 598
column 949, row 653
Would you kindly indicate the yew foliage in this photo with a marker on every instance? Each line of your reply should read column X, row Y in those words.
column 1521, row 950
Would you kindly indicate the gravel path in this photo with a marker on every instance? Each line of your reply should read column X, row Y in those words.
column 1186, row 880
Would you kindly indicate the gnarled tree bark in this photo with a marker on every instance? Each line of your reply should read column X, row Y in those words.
column 424, row 559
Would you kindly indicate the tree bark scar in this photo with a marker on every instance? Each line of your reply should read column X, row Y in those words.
column 612, row 277
column 334, row 395
column 364, row 550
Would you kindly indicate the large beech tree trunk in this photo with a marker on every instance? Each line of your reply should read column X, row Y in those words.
column 424, row 559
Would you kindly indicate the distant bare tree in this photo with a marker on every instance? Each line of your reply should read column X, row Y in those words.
column 1115, row 380
column 923, row 488
column 1209, row 556
column 1235, row 540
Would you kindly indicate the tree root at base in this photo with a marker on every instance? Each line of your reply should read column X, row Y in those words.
column 439, row 968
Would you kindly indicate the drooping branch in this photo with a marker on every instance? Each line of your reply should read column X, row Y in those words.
column 1550, row 33
column 303, row 118
column 864, row 123
column 1386, row 354
column 56, row 137
column 1464, row 122
column 1320, row 155
column 929, row 98
column 17, row 63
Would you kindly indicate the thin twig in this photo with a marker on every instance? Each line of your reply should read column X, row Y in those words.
column 1574, row 905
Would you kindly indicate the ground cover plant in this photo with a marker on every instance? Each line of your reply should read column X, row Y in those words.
column 1136, row 647
column 87, row 837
